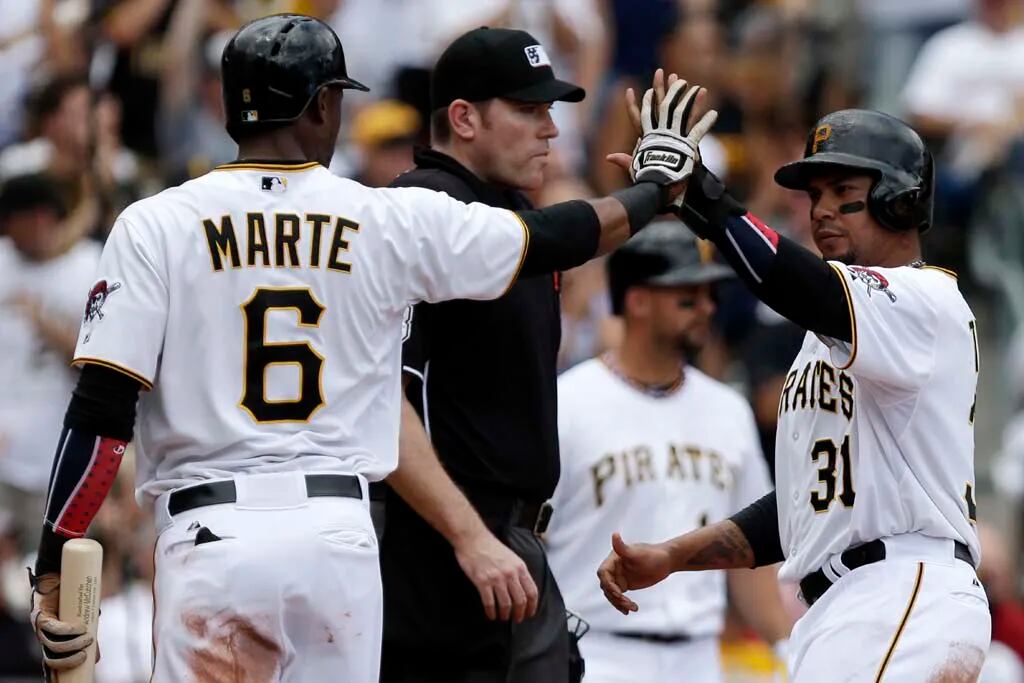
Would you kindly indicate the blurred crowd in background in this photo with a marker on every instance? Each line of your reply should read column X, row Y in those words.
column 103, row 102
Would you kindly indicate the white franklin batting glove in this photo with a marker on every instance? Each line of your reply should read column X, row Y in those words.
column 667, row 153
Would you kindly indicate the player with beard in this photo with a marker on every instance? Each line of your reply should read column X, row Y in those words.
column 874, row 512
column 650, row 445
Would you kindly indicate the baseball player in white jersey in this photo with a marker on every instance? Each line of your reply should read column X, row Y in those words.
column 651, row 445
column 874, row 513
column 260, row 306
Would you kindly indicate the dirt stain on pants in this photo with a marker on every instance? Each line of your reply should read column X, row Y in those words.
column 234, row 650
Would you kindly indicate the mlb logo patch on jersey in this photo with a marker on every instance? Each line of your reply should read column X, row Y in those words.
column 250, row 116
column 274, row 183
column 536, row 55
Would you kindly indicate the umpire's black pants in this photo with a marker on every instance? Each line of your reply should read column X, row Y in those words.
column 435, row 630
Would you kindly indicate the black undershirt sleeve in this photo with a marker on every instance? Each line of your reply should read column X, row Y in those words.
column 103, row 402
column 562, row 236
column 567, row 235
column 792, row 280
column 759, row 522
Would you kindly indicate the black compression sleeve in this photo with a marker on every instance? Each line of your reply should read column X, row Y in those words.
column 759, row 522
column 806, row 290
column 790, row 279
column 562, row 236
column 103, row 403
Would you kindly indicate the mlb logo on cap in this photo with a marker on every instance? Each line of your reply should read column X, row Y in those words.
column 274, row 183
column 250, row 116
column 536, row 55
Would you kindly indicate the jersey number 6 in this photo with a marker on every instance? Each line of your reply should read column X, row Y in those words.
column 260, row 355
column 827, row 474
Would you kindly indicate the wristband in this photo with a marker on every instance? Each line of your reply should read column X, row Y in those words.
column 643, row 202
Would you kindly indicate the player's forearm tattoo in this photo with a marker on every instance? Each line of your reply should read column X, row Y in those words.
column 719, row 546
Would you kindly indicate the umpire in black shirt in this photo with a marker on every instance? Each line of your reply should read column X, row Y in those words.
column 480, row 381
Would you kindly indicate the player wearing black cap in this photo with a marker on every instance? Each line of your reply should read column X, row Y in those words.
column 874, row 512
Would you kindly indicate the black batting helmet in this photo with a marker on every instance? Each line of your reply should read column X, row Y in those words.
column 664, row 254
column 274, row 66
column 889, row 149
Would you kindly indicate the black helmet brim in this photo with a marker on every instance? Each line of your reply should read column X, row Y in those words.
column 798, row 174
column 348, row 84
column 694, row 274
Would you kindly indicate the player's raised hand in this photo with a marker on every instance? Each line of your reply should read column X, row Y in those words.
column 506, row 588
column 63, row 643
column 631, row 567
column 670, row 122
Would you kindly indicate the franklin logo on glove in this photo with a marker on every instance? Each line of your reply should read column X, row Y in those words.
column 656, row 157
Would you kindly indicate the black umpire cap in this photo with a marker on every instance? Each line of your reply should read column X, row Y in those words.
column 664, row 254
column 497, row 62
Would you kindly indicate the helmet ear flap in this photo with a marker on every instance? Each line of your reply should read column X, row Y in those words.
column 903, row 204
column 896, row 209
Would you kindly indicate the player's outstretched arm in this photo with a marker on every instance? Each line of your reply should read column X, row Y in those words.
column 97, row 428
column 506, row 588
column 641, row 565
column 473, row 251
column 786, row 276
column 748, row 539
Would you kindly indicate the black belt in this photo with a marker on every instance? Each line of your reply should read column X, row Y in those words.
column 534, row 516
column 659, row 638
column 814, row 585
column 219, row 492
column 499, row 509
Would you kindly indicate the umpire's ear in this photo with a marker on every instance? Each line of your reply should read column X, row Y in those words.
column 464, row 120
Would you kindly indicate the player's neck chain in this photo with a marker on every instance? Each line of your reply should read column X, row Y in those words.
column 654, row 390
column 916, row 263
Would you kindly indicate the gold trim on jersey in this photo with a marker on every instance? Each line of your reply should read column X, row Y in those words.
column 841, row 274
column 79, row 360
column 266, row 166
column 903, row 623
column 522, row 253
column 945, row 271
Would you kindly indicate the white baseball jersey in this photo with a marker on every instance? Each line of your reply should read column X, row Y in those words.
column 876, row 436
column 262, row 304
column 35, row 380
column 650, row 468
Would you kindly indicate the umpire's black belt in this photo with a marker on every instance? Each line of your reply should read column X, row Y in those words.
column 814, row 585
column 219, row 492
column 501, row 509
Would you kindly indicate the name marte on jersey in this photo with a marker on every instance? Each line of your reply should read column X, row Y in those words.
column 818, row 385
column 639, row 465
column 282, row 240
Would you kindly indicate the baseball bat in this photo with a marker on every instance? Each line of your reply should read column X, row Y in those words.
column 81, row 566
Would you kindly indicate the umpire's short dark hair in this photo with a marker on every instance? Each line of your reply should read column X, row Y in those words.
column 33, row 191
